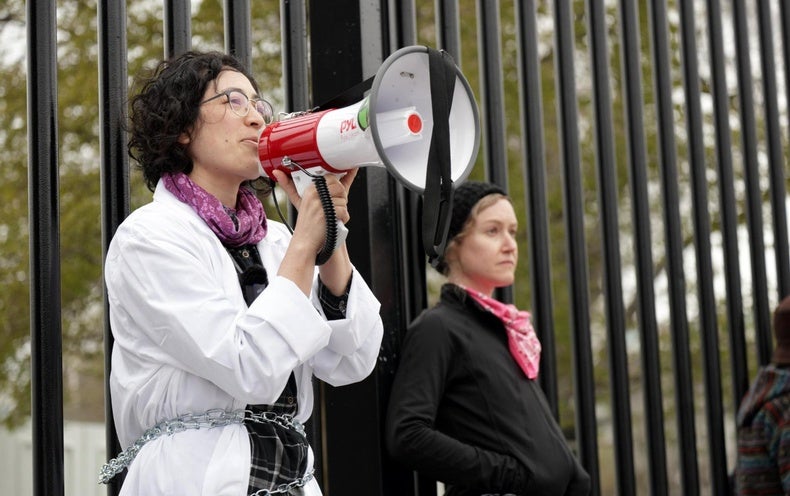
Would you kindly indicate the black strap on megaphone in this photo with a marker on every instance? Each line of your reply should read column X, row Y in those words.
column 438, row 195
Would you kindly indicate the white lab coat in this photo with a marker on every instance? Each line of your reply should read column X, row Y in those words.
column 186, row 342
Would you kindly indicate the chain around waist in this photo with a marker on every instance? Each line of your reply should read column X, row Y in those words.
column 207, row 420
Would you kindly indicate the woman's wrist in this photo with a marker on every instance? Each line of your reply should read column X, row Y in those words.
column 336, row 272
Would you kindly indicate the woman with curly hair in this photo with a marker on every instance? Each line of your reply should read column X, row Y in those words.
column 220, row 317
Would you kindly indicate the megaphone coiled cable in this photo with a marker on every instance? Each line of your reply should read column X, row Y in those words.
column 331, row 220
column 325, row 197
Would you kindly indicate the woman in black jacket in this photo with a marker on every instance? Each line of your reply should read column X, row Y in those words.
column 466, row 408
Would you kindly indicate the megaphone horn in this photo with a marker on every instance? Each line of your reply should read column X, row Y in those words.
column 391, row 127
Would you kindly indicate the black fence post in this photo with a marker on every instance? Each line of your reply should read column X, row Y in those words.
column 45, row 328
column 178, row 27
column 111, row 28
column 344, row 53
column 238, row 31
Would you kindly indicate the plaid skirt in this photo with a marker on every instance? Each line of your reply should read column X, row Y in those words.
column 278, row 453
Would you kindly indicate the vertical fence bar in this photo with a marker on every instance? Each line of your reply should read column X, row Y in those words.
column 46, row 380
column 737, row 342
column 448, row 34
column 727, row 201
column 751, row 174
column 409, row 206
column 111, row 26
column 402, row 22
column 637, row 165
column 774, row 149
column 493, row 111
column 684, row 394
column 784, row 13
column 575, row 243
column 609, row 224
column 296, row 79
column 295, row 55
column 531, row 96
column 401, row 282
column 413, row 264
column 178, row 27
column 710, row 343
column 492, row 92
column 667, row 160
column 238, row 30
column 753, row 195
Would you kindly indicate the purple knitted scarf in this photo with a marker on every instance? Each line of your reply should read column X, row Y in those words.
column 244, row 225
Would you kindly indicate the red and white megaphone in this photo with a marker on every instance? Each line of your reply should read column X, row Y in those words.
column 391, row 127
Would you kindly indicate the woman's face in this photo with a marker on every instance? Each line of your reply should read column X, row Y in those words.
column 486, row 255
column 223, row 145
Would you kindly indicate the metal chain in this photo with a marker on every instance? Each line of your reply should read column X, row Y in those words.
column 212, row 418
column 286, row 488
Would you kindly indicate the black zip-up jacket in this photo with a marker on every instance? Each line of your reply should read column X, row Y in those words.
column 463, row 412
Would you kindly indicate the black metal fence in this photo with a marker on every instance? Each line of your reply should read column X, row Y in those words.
column 685, row 130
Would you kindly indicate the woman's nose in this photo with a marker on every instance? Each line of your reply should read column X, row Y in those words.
column 253, row 118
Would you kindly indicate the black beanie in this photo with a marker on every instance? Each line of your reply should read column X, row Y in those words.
column 465, row 197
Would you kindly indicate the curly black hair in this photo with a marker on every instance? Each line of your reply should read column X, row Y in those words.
column 168, row 105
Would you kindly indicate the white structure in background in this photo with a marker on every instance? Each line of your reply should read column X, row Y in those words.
column 83, row 452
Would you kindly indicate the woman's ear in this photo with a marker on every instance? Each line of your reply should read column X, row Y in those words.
column 450, row 257
column 184, row 138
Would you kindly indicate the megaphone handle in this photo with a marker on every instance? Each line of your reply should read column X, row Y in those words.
column 336, row 231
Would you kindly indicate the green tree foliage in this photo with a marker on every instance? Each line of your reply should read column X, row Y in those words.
column 14, row 260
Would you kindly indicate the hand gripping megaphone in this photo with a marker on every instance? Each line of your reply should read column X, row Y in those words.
column 419, row 121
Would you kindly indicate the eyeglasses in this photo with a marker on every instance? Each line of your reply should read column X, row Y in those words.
column 240, row 104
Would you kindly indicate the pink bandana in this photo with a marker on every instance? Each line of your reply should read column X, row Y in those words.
column 243, row 226
column 522, row 340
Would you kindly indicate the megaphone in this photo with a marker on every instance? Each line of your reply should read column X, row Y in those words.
column 392, row 127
